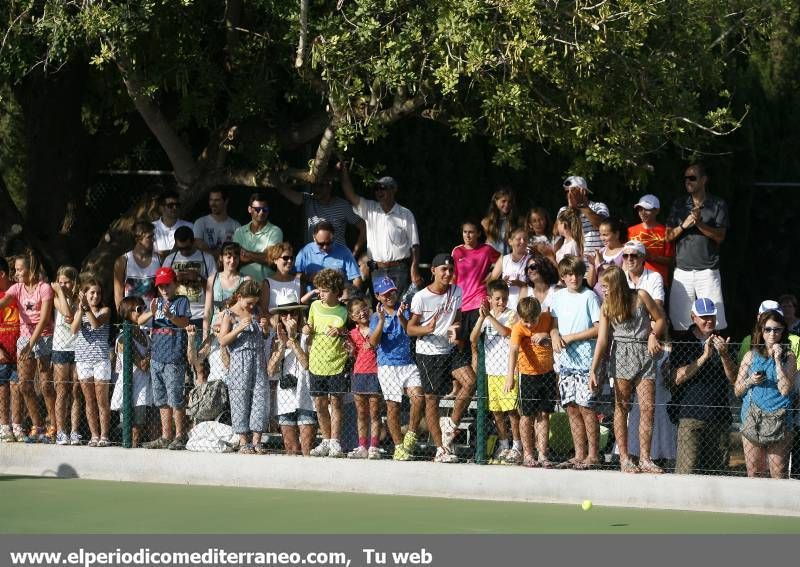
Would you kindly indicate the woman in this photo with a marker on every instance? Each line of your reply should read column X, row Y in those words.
column 285, row 280
column 512, row 267
column 500, row 220
column 612, row 235
column 764, row 382
column 542, row 278
column 625, row 317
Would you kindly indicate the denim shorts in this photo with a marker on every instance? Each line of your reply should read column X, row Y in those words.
column 42, row 348
column 63, row 357
column 298, row 417
column 365, row 384
column 167, row 380
column 8, row 373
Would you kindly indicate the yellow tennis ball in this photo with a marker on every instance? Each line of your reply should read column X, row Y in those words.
column 587, row 505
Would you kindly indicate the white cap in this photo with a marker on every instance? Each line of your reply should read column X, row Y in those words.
column 634, row 246
column 769, row 305
column 576, row 181
column 648, row 202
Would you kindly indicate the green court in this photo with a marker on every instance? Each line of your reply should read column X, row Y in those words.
column 47, row 505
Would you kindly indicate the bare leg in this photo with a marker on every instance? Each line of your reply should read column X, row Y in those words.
column 362, row 415
column 622, row 400
column 321, row 403
column 307, row 434
column 62, row 376
column 166, row 421
column 375, row 416
column 25, row 387
column 336, row 416
column 755, row 459
column 578, row 431
column 466, row 379
column 776, row 456
column 75, row 406
column 432, row 418
column 291, row 443
column 646, row 394
column 542, row 429
column 393, row 421
column 417, row 398
column 91, row 407
column 101, row 391
column 500, row 422
column 526, row 432
column 592, row 435
column 179, row 416
column 48, row 390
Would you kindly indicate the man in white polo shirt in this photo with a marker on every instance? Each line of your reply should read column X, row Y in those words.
column 392, row 236
column 639, row 277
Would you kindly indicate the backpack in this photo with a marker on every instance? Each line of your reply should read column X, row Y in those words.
column 208, row 401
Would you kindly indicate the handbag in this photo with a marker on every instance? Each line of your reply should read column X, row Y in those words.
column 208, row 401
column 763, row 427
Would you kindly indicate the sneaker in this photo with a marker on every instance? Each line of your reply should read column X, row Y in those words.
column 401, row 454
column 444, row 456
column 449, row 432
column 75, row 438
column 358, row 453
column 160, row 443
column 321, row 450
column 103, row 442
column 335, row 450
column 513, row 457
column 374, row 453
column 501, row 454
column 178, row 444
column 410, row 441
column 62, row 438
column 6, row 435
column 19, row 433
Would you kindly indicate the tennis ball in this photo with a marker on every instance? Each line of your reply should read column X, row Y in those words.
column 587, row 505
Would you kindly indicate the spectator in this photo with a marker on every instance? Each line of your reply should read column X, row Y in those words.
column 392, row 238
column 542, row 278
column 569, row 229
column 165, row 227
column 697, row 225
column 285, row 279
column 539, row 231
column 625, row 318
column 321, row 205
column 765, row 383
column 768, row 305
column 221, row 286
column 703, row 372
column 612, row 235
column 640, row 277
column 65, row 300
column 213, row 230
column 501, row 219
column 512, row 267
column 256, row 237
column 788, row 305
column 135, row 271
column 590, row 213
column 397, row 372
column 10, row 414
column 365, row 386
column 653, row 235
column 435, row 320
column 323, row 253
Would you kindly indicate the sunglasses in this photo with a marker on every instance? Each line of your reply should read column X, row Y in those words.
column 287, row 258
column 260, row 209
column 531, row 268
column 326, row 244
column 631, row 256
column 172, row 205
column 773, row 329
column 690, row 178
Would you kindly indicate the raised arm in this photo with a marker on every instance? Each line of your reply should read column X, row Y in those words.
column 120, row 265
column 347, row 185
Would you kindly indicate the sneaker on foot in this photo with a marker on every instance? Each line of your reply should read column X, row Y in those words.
column 75, row 438
column 321, row 450
column 62, row 438
column 444, row 456
column 335, row 450
column 513, row 457
column 374, row 453
column 6, row 435
column 401, row 454
column 160, row 443
column 358, row 453
column 449, row 432
column 410, row 441
column 19, row 433
column 178, row 444
column 501, row 454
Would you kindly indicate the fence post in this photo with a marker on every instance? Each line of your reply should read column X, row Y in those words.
column 127, row 384
column 481, row 397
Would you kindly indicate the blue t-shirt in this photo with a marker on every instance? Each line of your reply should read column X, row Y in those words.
column 576, row 312
column 169, row 341
column 395, row 346
column 311, row 260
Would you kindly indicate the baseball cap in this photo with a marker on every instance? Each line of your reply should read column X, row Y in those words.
column 769, row 305
column 165, row 276
column 634, row 246
column 648, row 202
column 576, row 181
column 287, row 300
column 383, row 285
column 704, row 307
column 387, row 182
column 442, row 260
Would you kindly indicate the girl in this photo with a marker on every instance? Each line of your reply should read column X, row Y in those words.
column 613, row 237
column 512, row 267
column 542, row 279
column 625, row 317
column 365, row 383
column 289, row 360
column 63, row 357
column 539, row 231
column 765, row 379
column 35, row 301
column 129, row 310
column 92, row 362
column 243, row 333
column 500, row 220
column 570, row 231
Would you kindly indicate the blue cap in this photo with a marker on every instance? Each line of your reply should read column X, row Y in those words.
column 383, row 285
column 704, row 307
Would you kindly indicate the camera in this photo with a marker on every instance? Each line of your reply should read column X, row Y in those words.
column 287, row 381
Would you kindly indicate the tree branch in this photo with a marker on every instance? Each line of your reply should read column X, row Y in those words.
column 301, row 42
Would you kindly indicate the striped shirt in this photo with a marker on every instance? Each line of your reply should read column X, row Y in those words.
column 338, row 212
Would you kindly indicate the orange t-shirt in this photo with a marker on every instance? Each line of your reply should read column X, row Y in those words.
column 533, row 358
column 9, row 329
column 655, row 240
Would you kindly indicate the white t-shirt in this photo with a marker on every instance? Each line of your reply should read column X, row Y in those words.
column 203, row 263
column 427, row 305
column 214, row 233
column 651, row 282
column 548, row 299
column 569, row 247
column 514, row 271
column 496, row 345
column 391, row 235
column 164, row 236
column 576, row 312
column 289, row 400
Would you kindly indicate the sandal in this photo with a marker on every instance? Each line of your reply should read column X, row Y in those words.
column 530, row 462
column 629, row 467
column 93, row 442
column 587, row 466
column 570, row 464
column 650, row 467
column 260, row 448
column 545, row 464
column 247, row 449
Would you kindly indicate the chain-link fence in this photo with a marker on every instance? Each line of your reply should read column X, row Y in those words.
column 273, row 385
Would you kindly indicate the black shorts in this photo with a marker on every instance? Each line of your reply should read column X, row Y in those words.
column 537, row 393
column 335, row 384
column 468, row 320
column 436, row 370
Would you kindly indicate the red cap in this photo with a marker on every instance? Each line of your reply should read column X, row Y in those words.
column 165, row 276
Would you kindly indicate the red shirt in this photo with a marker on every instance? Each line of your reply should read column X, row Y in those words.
column 655, row 241
column 366, row 357
column 470, row 271
column 9, row 329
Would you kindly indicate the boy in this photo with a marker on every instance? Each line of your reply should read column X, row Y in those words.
column 435, row 320
column 170, row 315
column 576, row 313
column 397, row 372
column 327, row 358
column 532, row 353
column 9, row 332
column 494, row 321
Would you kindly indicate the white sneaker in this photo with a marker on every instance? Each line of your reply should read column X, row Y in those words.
column 358, row 453
column 449, row 431
column 444, row 456
column 374, row 453
column 6, row 435
column 322, row 449
column 335, row 450
column 513, row 457
column 75, row 438
column 62, row 438
column 501, row 454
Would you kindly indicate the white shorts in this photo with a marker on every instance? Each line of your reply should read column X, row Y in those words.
column 394, row 379
column 100, row 370
column 688, row 285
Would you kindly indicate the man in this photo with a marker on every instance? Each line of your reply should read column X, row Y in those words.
column 703, row 375
column 211, row 231
column 321, row 205
column 135, row 271
column 255, row 237
column 165, row 227
column 392, row 237
column 698, row 225
column 639, row 277
column 324, row 252
column 193, row 268
column 592, row 213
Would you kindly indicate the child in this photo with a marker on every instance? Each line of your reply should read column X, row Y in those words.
column 289, row 360
column 494, row 323
column 63, row 357
column 327, row 359
column 571, row 231
column 90, row 327
column 34, row 300
column 141, row 396
column 612, row 235
column 365, row 383
column 435, row 319
column 243, row 333
column 576, row 310
column 170, row 315
column 397, row 372
column 9, row 333
column 532, row 354
column 511, row 267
